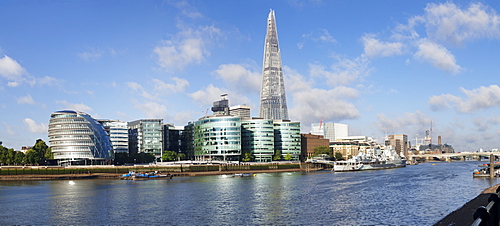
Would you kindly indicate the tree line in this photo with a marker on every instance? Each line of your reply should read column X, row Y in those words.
column 37, row 155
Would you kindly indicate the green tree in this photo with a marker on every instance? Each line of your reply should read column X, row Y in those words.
column 169, row 156
column 19, row 158
column 277, row 155
column 41, row 148
column 247, row 156
column 31, row 157
column 49, row 154
column 288, row 157
column 322, row 150
column 10, row 156
column 181, row 156
column 338, row 156
column 3, row 154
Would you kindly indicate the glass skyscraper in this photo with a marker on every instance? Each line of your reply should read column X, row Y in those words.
column 145, row 136
column 76, row 136
column 272, row 94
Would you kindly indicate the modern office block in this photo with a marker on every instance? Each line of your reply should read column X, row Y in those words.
column 331, row 131
column 217, row 137
column 242, row 111
column 287, row 138
column 258, row 138
column 76, row 137
column 145, row 136
column 118, row 134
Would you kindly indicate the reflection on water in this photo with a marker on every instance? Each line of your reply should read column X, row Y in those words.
column 420, row 194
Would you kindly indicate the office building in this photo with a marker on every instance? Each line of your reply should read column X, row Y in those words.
column 311, row 141
column 242, row 111
column 399, row 143
column 331, row 131
column 221, row 107
column 118, row 134
column 272, row 95
column 287, row 138
column 217, row 137
column 145, row 136
column 258, row 138
column 76, row 137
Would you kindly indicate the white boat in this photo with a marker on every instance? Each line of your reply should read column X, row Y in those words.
column 385, row 160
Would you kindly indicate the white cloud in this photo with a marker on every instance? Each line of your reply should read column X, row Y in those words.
column 207, row 96
column 152, row 109
column 313, row 104
column 179, row 86
column 344, row 71
column 374, row 47
column 10, row 69
column 134, row 86
column 447, row 22
column 92, row 55
column 418, row 121
column 240, row 77
column 189, row 47
column 25, row 100
column 475, row 100
column 72, row 106
column 35, row 127
column 437, row 55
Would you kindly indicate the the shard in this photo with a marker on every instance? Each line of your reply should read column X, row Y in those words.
column 272, row 94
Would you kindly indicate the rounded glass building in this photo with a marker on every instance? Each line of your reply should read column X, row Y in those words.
column 76, row 136
column 217, row 138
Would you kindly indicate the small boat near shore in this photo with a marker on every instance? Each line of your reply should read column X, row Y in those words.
column 244, row 175
column 145, row 176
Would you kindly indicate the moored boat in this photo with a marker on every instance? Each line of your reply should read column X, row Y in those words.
column 145, row 176
column 385, row 160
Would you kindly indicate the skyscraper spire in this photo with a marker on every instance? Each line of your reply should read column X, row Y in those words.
column 272, row 94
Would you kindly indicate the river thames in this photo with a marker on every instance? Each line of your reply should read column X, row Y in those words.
column 415, row 195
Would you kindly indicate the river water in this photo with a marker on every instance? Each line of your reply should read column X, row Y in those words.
column 415, row 195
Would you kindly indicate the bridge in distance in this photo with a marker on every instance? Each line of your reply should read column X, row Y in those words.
column 451, row 155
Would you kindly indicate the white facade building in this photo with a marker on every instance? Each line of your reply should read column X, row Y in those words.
column 331, row 131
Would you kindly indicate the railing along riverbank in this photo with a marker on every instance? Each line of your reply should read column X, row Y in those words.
column 489, row 214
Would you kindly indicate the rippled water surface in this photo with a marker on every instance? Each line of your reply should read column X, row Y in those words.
column 415, row 195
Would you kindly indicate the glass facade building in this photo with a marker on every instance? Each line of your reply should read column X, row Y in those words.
column 258, row 137
column 76, row 136
column 118, row 134
column 272, row 93
column 287, row 138
column 145, row 136
column 217, row 138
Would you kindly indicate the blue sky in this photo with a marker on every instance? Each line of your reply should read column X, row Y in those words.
column 382, row 67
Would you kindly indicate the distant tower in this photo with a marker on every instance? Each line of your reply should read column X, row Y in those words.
column 272, row 94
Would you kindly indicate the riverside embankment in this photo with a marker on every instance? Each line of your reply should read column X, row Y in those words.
column 96, row 172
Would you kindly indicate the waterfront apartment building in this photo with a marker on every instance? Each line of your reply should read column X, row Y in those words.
column 258, row 138
column 217, row 137
column 76, row 137
column 145, row 136
column 329, row 130
column 311, row 141
column 118, row 134
column 287, row 138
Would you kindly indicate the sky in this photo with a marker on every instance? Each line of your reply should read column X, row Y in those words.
column 382, row 67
